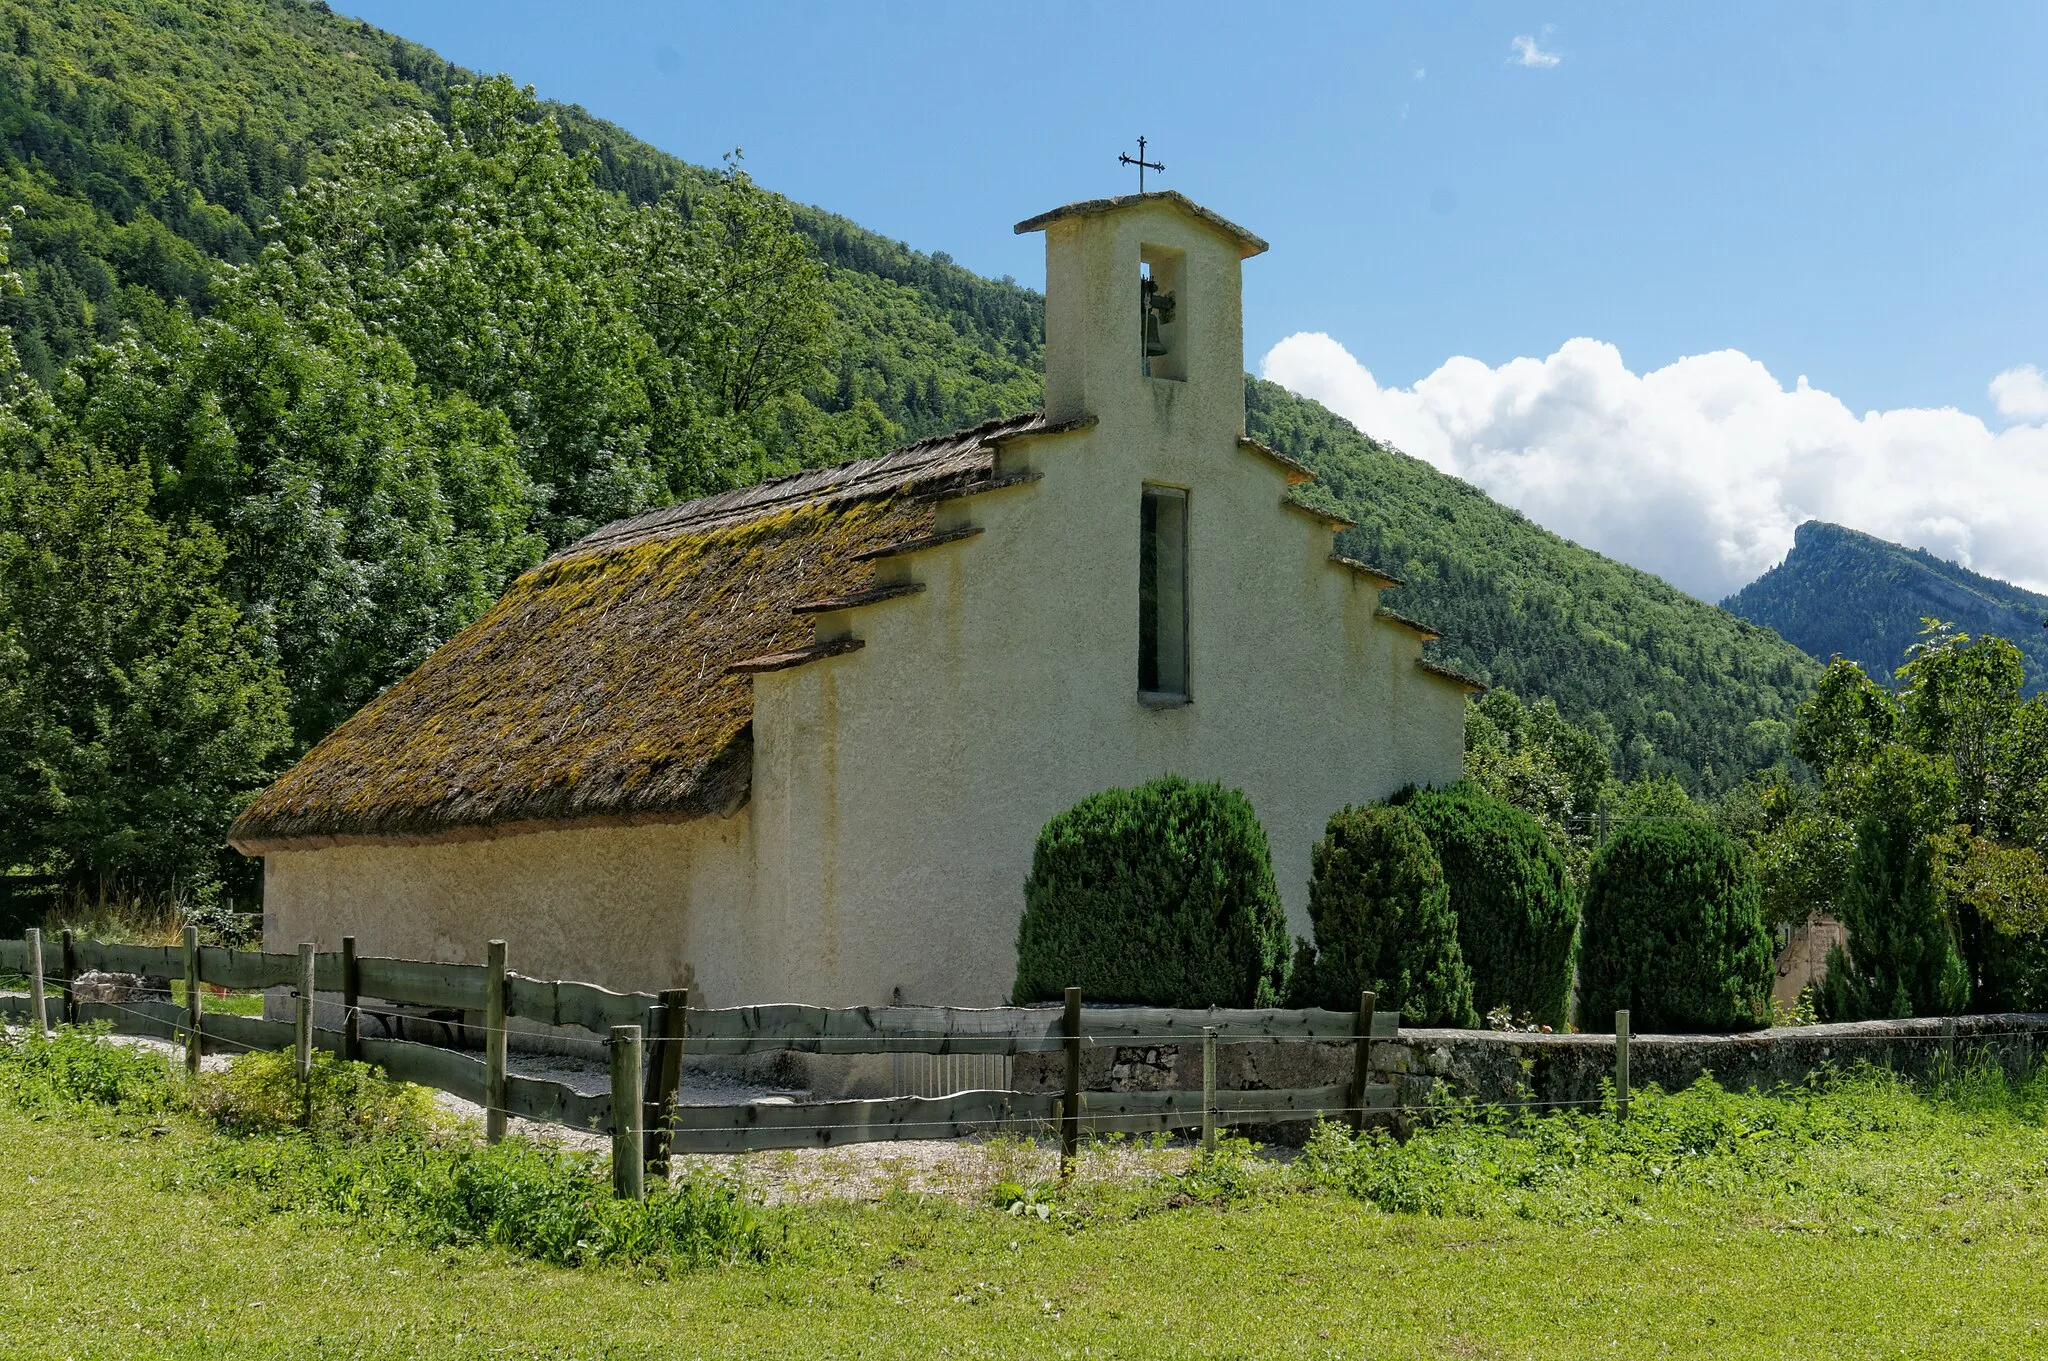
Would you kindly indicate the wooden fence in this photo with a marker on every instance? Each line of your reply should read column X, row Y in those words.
column 649, row 1034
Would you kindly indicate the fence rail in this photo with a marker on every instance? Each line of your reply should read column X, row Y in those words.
column 645, row 1096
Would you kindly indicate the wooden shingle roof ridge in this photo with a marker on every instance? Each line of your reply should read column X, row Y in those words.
column 960, row 455
column 1247, row 242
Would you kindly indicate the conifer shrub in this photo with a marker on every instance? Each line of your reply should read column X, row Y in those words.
column 1162, row 894
column 1383, row 923
column 1512, row 893
column 1674, row 932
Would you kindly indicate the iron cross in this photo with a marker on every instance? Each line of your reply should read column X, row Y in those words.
column 1124, row 158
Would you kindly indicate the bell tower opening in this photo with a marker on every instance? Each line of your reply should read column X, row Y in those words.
column 1162, row 312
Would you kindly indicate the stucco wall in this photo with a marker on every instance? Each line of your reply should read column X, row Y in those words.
column 628, row 907
column 898, row 790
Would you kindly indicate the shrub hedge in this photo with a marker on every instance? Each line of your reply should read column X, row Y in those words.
column 1512, row 893
column 1674, row 932
column 1382, row 918
column 1161, row 894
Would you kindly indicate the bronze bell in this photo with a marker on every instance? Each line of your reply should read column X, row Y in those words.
column 1158, row 308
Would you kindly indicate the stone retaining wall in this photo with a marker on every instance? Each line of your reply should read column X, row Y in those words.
column 1515, row 1067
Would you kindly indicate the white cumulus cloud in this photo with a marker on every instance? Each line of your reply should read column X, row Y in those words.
column 2021, row 394
column 1700, row 471
column 1530, row 52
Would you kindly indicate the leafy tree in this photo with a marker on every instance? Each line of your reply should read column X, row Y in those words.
column 1383, row 922
column 1801, row 846
column 364, row 520
column 1657, row 796
column 1903, row 958
column 1512, row 894
column 1942, row 785
column 1528, row 756
column 1673, row 932
column 491, row 256
column 1161, row 894
column 729, row 285
column 137, row 710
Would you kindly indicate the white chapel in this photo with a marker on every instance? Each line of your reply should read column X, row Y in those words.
column 795, row 742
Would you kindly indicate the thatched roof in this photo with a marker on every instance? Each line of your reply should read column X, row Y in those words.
column 611, row 682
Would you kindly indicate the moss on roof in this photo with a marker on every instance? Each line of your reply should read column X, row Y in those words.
column 597, row 686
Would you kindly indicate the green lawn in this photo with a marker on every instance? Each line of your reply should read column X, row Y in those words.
column 1891, row 1226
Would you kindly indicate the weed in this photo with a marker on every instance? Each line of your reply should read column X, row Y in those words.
column 70, row 1068
column 260, row 1093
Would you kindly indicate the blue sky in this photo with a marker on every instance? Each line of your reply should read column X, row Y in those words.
column 1849, row 193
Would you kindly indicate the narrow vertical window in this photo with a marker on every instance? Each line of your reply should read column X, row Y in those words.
column 1163, row 593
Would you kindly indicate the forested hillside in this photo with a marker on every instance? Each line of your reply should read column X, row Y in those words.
column 1841, row 591
column 313, row 341
column 148, row 140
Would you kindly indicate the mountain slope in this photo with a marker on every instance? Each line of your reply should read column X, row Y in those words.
column 1671, row 684
column 149, row 140
column 1841, row 591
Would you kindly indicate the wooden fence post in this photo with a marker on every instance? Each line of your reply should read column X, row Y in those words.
column 494, row 1041
column 629, row 1170
column 1621, row 1063
column 1361, row 1059
column 351, row 1002
column 1208, row 1091
column 1070, row 1110
column 70, row 977
column 38, row 1009
column 195, row 1004
column 665, row 1076
column 302, row 1016
column 1948, row 1048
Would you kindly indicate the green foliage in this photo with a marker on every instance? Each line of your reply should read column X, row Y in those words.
column 369, row 1154
column 1841, row 593
column 1904, row 959
column 136, row 705
column 1846, row 719
column 1512, row 895
column 558, row 1207
column 1673, row 932
column 1655, row 796
column 1161, row 894
column 1668, row 685
column 260, row 1093
column 1676, row 1154
column 1943, row 792
column 1528, row 756
column 1801, row 848
column 71, row 1068
column 365, row 519
column 1383, row 923
column 523, row 1198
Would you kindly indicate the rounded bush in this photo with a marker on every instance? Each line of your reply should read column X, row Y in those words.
column 1161, row 894
column 1383, row 922
column 1512, row 894
column 1674, row 933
